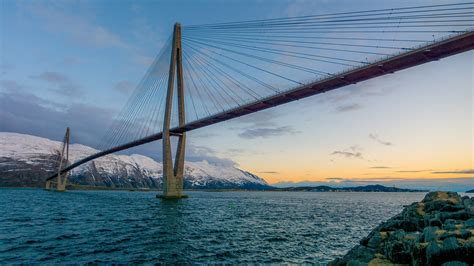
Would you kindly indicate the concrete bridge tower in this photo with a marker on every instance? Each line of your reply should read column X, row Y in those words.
column 173, row 174
column 61, row 179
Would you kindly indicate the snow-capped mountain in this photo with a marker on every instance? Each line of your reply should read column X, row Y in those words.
column 27, row 160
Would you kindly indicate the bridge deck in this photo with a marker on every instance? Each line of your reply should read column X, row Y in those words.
column 435, row 51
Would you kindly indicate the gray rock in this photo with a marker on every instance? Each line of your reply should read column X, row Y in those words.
column 467, row 202
column 375, row 241
column 454, row 263
column 450, row 224
column 359, row 255
column 459, row 215
column 436, row 205
column 438, row 231
column 452, row 208
column 432, row 251
column 442, row 195
column 469, row 223
column 464, row 234
column 399, row 251
column 447, row 235
column 429, row 233
column 356, row 263
column 435, row 222
column 419, row 254
column 450, row 244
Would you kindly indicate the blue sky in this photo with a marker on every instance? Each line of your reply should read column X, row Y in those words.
column 74, row 63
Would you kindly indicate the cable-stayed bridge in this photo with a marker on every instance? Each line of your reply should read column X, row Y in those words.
column 206, row 74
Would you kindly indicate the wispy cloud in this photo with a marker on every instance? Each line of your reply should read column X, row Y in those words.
column 11, row 85
column 348, row 107
column 412, row 171
column 71, row 61
column 124, row 86
column 269, row 172
column 335, row 179
column 380, row 167
column 78, row 28
column 351, row 153
column 200, row 153
column 376, row 138
column 62, row 84
column 460, row 172
column 4, row 68
column 143, row 60
column 266, row 132
column 259, row 119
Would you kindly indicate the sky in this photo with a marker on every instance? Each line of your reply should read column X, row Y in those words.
column 75, row 63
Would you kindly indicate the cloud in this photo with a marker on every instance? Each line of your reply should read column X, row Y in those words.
column 348, row 107
column 4, row 68
column 461, row 172
column 269, row 172
column 52, row 77
column 266, row 132
column 63, row 85
column 235, row 151
column 26, row 113
column 204, row 135
column 124, row 86
column 70, row 61
column 78, row 28
column 351, row 152
column 348, row 154
column 412, row 171
column 380, row 167
column 335, row 179
column 264, row 118
column 262, row 124
column 305, row 7
column 375, row 138
column 11, row 85
column 200, row 153
column 143, row 60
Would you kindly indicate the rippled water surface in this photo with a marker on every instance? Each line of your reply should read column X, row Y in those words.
column 208, row 227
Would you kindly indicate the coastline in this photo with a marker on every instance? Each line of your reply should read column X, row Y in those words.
column 357, row 189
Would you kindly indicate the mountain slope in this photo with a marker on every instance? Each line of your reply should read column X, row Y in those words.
column 27, row 160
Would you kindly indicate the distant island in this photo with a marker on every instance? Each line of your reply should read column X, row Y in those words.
column 470, row 191
column 368, row 188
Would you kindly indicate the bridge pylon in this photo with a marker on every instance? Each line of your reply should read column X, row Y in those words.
column 173, row 174
column 61, row 179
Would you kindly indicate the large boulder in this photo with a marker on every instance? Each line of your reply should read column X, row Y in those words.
column 439, row 230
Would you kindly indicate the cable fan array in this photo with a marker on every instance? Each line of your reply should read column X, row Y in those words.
column 227, row 65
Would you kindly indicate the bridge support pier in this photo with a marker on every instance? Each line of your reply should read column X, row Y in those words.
column 173, row 175
column 61, row 179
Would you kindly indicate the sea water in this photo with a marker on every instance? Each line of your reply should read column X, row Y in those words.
column 208, row 227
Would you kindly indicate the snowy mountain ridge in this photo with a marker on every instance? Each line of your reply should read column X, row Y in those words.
column 22, row 154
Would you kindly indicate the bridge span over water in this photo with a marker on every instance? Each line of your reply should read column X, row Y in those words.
column 226, row 70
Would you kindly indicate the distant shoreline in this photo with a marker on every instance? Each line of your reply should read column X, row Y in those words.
column 101, row 188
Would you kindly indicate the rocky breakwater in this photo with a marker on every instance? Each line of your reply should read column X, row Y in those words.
column 439, row 230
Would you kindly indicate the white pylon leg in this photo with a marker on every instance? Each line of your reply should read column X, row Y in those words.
column 61, row 179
